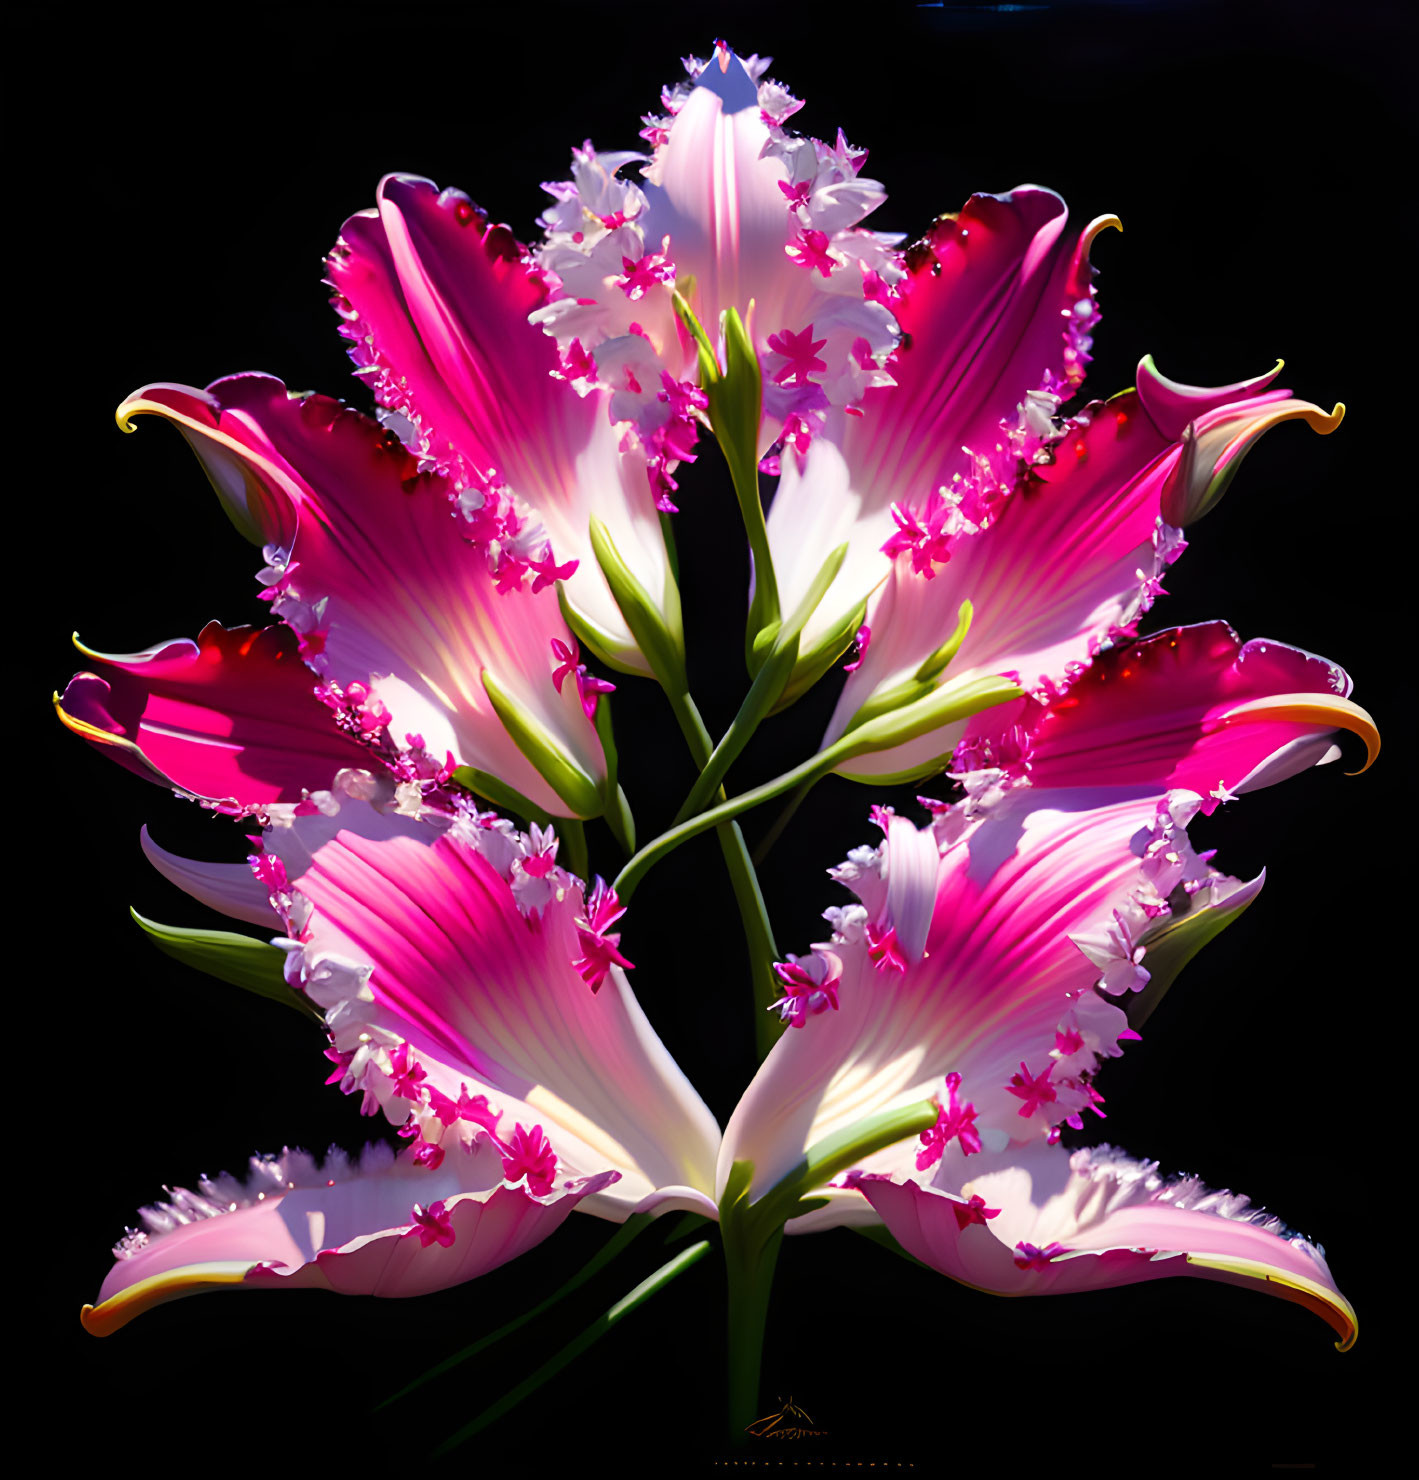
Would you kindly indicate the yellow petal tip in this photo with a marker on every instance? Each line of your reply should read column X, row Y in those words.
column 189, row 1279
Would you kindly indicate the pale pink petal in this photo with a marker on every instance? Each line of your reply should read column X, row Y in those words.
column 1093, row 1220
column 448, row 946
column 357, row 1231
column 231, row 888
column 377, row 578
column 232, row 717
column 733, row 212
column 999, row 974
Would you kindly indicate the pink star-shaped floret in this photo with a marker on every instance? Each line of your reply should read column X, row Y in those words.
column 529, row 1154
column 1034, row 1090
column 801, row 353
column 433, row 1224
column 953, row 1121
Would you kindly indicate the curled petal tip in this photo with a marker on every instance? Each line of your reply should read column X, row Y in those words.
column 1100, row 224
column 1315, row 709
column 1331, row 1306
column 191, row 1279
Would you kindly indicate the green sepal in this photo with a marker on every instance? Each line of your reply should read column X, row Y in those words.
column 504, row 797
column 253, row 965
column 596, row 640
column 617, row 810
column 935, row 665
column 619, row 818
column 658, row 634
column 935, row 709
column 922, row 683
column 1167, row 950
column 814, row 662
column 736, row 400
column 544, row 753
column 573, row 836
column 797, row 620
column 672, row 550
column 735, row 394
column 709, row 365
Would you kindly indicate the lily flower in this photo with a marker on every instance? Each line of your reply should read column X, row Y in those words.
column 1021, row 925
column 734, row 212
column 996, row 311
column 992, row 963
column 1058, row 557
column 435, row 303
column 453, row 971
column 428, row 646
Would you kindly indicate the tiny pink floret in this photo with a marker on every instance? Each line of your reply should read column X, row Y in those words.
column 529, row 1154
column 883, row 949
column 1034, row 1090
column 971, row 1212
column 1030, row 1257
column 801, row 353
column 433, row 1224
column 954, row 1121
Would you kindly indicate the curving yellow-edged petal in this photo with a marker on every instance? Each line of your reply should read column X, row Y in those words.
column 1314, row 709
column 189, row 1279
column 1330, row 1305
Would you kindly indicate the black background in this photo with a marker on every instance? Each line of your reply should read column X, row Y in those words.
column 182, row 182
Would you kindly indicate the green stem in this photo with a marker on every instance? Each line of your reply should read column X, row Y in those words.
column 574, row 835
column 811, row 770
column 752, row 1232
column 933, row 711
column 759, row 935
column 749, row 1270
column 767, row 686
column 794, row 802
column 764, row 608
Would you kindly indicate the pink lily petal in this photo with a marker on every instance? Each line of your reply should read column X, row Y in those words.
column 1069, row 560
column 446, row 965
column 377, row 579
column 1060, row 1223
column 435, row 304
column 1191, row 707
column 734, row 212
column 984, row 316
column 230, row 718
column 1018, row 887
column 390, row 1227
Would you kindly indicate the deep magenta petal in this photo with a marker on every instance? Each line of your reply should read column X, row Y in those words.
column 997, row 304
column 435, row 303
column 380, row 583
column 231, row 717
column 1185, row 708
